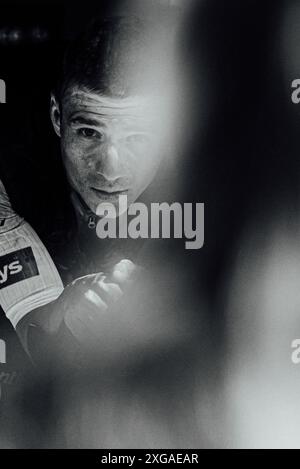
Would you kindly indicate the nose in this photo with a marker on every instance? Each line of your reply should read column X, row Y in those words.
column 109, row 165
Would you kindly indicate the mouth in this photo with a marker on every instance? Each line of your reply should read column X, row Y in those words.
column 109, row 194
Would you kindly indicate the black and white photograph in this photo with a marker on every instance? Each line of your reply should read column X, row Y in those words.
column 149, row 228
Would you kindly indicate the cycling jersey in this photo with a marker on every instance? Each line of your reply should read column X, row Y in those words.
column 28, row 277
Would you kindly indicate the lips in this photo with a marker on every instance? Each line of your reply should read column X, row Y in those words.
column 109, row 193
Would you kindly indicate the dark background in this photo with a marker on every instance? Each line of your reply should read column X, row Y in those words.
column 242, row 146
column 243, row 150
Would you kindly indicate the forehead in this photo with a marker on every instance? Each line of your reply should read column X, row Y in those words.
column 90, row 104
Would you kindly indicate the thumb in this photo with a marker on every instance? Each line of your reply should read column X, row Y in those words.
column 124, row 272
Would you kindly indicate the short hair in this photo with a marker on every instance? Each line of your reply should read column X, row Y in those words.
column 114, row 56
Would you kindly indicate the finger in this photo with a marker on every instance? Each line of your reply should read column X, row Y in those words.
column 107, row 290
column 123, row 271
column 95, row 299
column 110, row 291
column 86, row 279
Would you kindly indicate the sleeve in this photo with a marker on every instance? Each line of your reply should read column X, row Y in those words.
column 28, row 276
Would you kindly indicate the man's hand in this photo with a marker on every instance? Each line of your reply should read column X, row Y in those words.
column 87, row 317
column 115, row 319
column 86, row 305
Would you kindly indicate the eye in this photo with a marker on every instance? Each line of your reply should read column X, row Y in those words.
column 89, row 133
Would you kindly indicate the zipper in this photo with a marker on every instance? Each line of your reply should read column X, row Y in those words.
column 92, row 222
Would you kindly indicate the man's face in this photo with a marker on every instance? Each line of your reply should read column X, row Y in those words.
column 110, row 146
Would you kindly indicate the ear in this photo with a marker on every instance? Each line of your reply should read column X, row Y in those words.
column 55, row 114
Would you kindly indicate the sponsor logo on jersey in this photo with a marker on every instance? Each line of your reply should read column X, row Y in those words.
column 17, row 266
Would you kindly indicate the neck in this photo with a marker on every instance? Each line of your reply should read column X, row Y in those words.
column 85, row 216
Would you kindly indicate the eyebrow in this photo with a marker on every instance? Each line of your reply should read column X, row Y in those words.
column 77, row 118
column 86, row 121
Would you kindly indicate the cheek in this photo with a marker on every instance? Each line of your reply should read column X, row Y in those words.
column 143, row 159
column 147, row 161
column 74, row 160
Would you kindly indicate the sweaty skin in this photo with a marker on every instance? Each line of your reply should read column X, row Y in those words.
column 110, row 146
